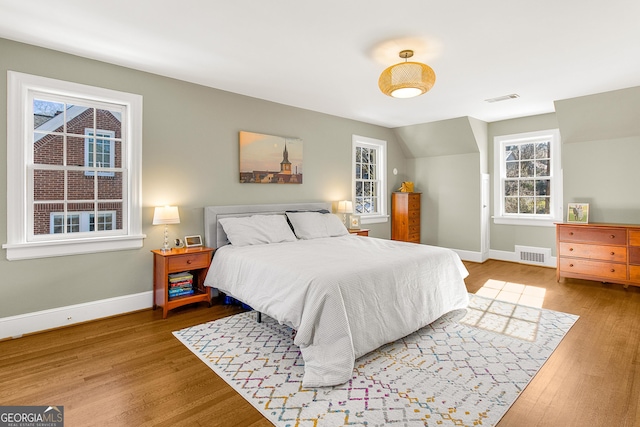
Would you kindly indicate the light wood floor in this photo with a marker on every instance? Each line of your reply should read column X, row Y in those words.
column 131, row 371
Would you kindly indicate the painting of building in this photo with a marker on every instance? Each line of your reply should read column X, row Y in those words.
column 268, row 159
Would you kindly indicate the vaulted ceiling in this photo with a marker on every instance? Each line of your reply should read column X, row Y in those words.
column 327, row 55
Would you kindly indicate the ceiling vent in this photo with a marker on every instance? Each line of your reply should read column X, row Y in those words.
column 503, row 98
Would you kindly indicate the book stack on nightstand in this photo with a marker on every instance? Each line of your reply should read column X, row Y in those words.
column 180, row 284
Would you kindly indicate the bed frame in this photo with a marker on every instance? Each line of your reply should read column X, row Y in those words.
column 214, row 235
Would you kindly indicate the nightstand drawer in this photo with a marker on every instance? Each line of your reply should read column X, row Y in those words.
column 583, row 250
column 189, row 261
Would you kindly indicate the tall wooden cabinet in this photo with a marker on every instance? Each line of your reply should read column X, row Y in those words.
column 602, row 252
column 405, row 217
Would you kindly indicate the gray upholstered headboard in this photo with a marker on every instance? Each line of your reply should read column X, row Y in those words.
column 214, row 235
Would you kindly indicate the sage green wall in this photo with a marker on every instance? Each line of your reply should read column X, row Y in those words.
column 190, row 158
column 603, row 172
column 505, row 237
column 450, row 213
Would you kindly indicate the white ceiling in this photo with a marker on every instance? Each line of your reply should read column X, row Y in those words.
column 327, row 55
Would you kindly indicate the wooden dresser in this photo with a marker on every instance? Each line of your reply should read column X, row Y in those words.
column 602, row 252
column 405, row 217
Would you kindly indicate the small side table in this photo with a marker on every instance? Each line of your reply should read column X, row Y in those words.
column 359, row 231
column 194, row 260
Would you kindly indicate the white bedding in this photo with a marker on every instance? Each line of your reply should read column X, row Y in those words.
column 345, row 296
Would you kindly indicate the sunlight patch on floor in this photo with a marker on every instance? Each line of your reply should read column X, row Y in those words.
column 516, row 293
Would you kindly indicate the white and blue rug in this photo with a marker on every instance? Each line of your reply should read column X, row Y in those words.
column 465, row 369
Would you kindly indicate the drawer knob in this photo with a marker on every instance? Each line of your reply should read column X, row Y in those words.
column 189, row 261
column 613, row 271
column 571, row 233
column 613, row 236
column 570, row 265
column 570, row 249
column 613, row 253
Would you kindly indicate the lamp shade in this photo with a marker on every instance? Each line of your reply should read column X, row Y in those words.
column 345, row 206
column 166, row 215
column 406, row 79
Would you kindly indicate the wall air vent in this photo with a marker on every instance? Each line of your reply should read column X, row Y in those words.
column 503, row 98
column 532, row 255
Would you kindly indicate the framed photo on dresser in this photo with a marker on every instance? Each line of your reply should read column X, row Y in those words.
column 578, row 213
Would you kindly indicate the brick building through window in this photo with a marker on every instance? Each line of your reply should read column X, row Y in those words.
column 77, row 172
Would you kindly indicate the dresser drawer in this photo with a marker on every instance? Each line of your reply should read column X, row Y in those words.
column 604, row 236
column 634, row 255
column 634, row 237
column 600, row 269
column 186, row 262
column 595, row 252
column 634, row 273
column 413, row 238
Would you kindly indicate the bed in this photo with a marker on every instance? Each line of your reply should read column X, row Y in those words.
column 344, row 295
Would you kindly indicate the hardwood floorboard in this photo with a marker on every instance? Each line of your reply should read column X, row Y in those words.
column 130, row 370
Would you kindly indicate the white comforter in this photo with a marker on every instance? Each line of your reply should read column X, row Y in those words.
column 345, row 296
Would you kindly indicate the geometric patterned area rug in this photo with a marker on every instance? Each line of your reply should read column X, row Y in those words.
column 465, row 369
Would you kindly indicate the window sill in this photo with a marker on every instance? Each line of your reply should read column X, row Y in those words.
column 535, row 222
column 373, row 219
column 32, row 250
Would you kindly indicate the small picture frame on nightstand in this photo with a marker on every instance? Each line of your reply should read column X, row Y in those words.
column 354, row 222
column 192, row 241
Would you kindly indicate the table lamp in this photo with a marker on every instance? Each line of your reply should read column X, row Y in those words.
column 345, row 207
column 166, row 215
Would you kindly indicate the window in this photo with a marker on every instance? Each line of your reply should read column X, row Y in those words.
column 74, row 156
column 82, row 221
column 528, row 178
column 99, row 151
column 369, row 179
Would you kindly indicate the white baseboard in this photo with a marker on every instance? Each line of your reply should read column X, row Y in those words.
column 16, row 326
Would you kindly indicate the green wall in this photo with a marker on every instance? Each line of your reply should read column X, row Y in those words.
column 190, row 159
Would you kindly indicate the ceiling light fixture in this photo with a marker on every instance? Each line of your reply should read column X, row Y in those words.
column 406, row 79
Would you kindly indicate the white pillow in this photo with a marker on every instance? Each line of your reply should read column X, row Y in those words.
column 313, row 225
column 257, row 230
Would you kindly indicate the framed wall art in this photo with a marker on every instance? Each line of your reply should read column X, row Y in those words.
column 578, row 213
column 269, row 159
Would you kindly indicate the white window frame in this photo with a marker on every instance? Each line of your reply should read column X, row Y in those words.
column 21, row 89
column 381, row 173
column 499, row 172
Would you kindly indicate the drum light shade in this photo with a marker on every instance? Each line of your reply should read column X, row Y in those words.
column 407, row 79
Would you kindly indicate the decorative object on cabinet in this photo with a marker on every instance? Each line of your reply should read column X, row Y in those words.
column 345, row 207
column 405, row 217
column 406, row 79
column 406, row 187
column 600, row 252
column 172, row 269
column 164, row 215
column 578, row 213
column 257, row 152
column 192, row 241
column 354, row 222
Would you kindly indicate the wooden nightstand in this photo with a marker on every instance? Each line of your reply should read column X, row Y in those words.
column 359, row 231
column 177, row 260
